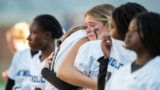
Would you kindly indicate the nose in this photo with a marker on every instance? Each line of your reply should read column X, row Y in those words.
column 29, row 37
column 88, row 30
column 128, row 34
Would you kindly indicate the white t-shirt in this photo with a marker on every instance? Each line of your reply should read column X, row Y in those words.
column 19, row 69
column 36, row 79
column 65, row 47
column 90, row 52
column 145, row 78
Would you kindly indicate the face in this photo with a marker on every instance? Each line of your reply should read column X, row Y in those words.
column 92, row 24
column 113, row 30
column 15, row 43
column 37, row 38
column 132, row 39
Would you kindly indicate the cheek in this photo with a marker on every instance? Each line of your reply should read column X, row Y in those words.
column 37, row 40
column 101, row 29
column 134, row 43
column 112, row 33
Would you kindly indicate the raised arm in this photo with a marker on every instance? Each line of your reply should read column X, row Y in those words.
column 70, row 74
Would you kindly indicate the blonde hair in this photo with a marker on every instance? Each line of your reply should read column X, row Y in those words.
column 20, row 30
column 72, row 30
column 101, row 12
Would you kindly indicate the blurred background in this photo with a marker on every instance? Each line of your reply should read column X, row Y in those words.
column 69, row 13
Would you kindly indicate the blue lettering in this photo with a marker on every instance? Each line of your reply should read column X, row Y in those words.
column 114, row 63
column 120, row 65
column 38, row 79
column 23, row 73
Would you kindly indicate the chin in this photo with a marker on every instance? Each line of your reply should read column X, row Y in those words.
column 33, row 49
column 92, row 38
column 128, row 47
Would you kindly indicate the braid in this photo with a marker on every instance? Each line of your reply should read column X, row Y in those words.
column 50, row 23
column 124, row 14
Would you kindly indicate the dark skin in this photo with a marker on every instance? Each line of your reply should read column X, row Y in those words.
column 133, row 42
column 40, row 39
column 106, row 39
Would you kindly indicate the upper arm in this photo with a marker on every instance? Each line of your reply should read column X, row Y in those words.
column 70, row 57
column 73, row 52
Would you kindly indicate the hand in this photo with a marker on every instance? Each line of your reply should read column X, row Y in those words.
column 5, row 76
column 106, row 45
column 48, row 61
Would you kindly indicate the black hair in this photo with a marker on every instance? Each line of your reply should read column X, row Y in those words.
column 50, row 23
column 148, row 26
column 123, row 14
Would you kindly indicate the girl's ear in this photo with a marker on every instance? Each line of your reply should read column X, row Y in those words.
column 48, row 35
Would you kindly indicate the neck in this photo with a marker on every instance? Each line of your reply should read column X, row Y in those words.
column 47, row 50
column 143, row 57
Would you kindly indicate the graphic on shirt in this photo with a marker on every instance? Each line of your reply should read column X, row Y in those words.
column 37, row 79
column 114, row 63
column 25, row 73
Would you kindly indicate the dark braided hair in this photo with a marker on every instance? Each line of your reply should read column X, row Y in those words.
column 148, row 25
column 51, row 24
column 123, row 15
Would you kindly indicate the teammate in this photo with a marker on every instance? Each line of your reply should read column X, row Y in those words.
column 118, row 30
column 19, row 69
column 43, row 31
column 74, row 37
column 96, row 18
column 16, row 41
column 90, row 52
column 142, row 37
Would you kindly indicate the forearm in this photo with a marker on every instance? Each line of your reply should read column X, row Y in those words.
column 50, row 76
column 102, row 72
column 71, row 75
column 10, row 84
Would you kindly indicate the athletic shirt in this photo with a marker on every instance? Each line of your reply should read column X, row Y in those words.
column 65, row 47
column 19, row 69
column 90, row 52
column 36, row 79
column 145, row 78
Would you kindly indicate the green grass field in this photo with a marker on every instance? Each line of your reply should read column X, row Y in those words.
column 2, row 85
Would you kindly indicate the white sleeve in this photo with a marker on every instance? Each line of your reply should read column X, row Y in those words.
column 13, row 67
column 83, row 59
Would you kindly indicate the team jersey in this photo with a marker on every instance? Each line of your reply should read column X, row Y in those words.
column 36, row 79
column 145, row 78
column 65, row 47
column 90, row 52
column 19, row 69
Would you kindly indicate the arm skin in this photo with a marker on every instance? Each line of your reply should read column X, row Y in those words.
column 70, row 74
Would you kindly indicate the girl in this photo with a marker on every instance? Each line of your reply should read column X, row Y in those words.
column 97, row 18
column 16, row 38
column 142, row 37
column 43, row 31
column 120, row 56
